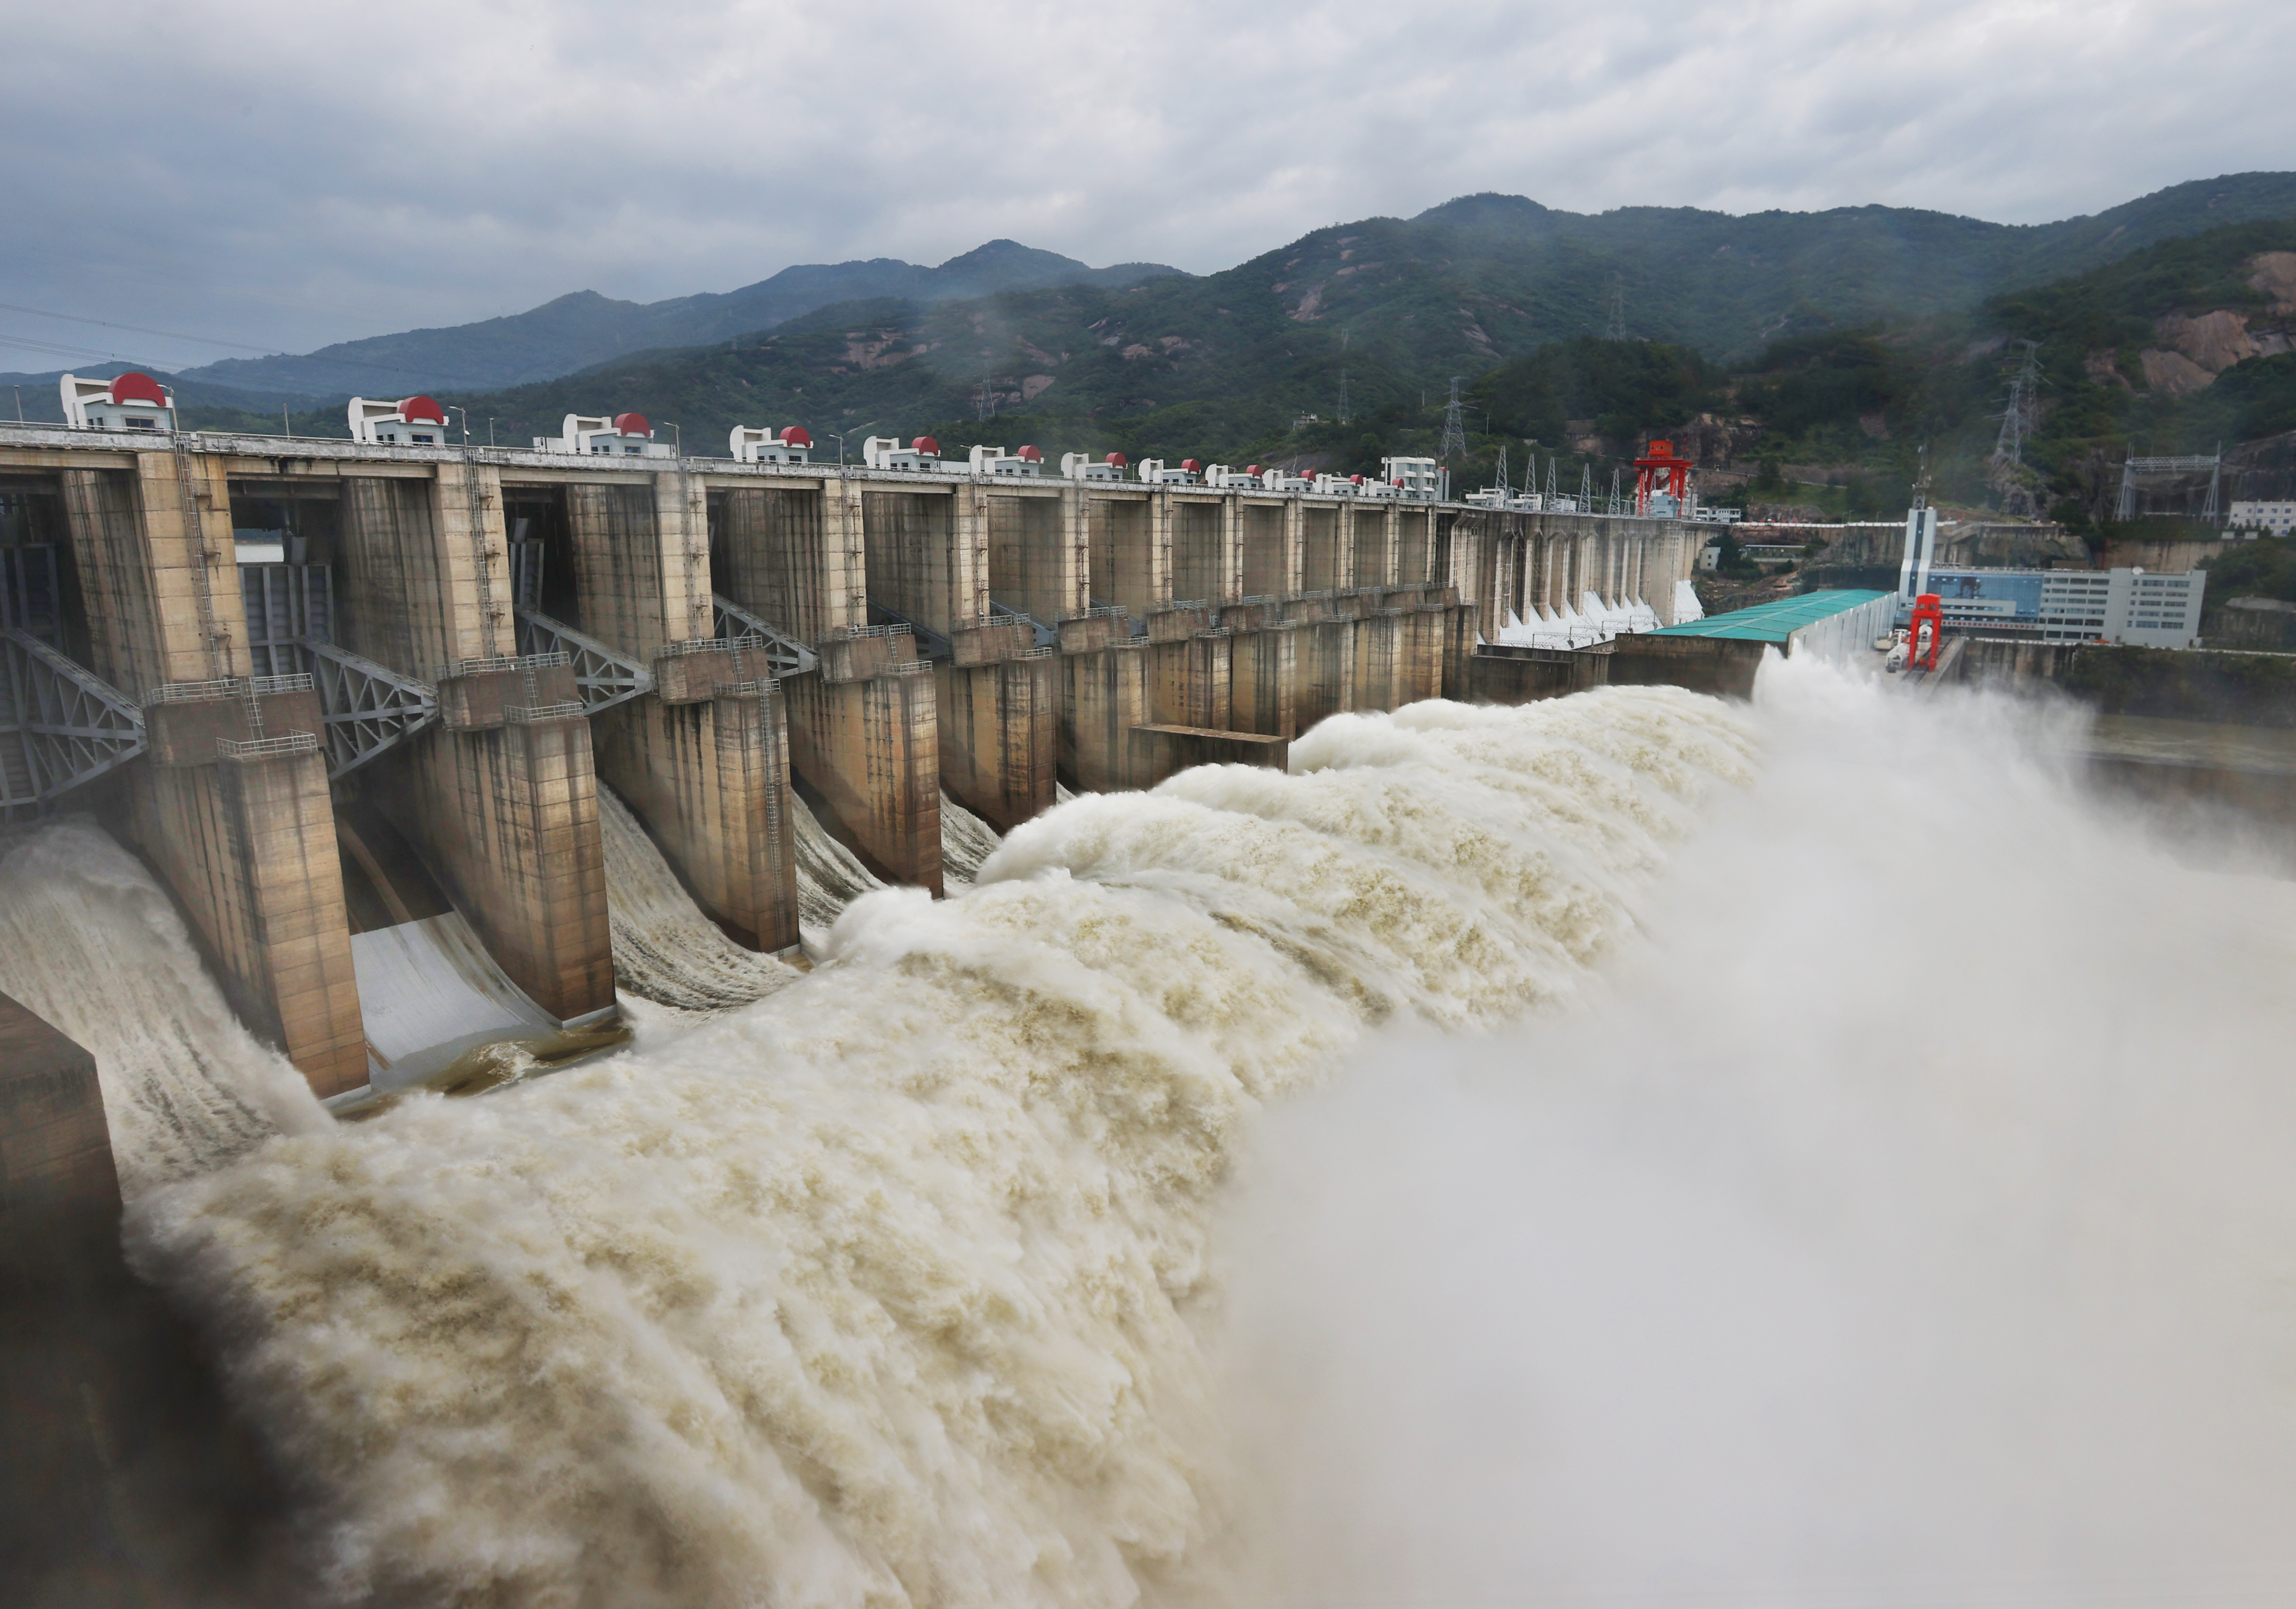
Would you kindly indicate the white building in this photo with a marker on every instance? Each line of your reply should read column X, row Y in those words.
column 758, row 444
column 624, row 436
column 886, row 452
column 1338, row 486
column 996, row 461
column 1420, row 480
column 1220, row 475
column 2153, row 611
column 1084, row 466
column 2277, row 517
column 126, row 402
column 1152, row 471
column 2129, row 605
column 1276, row 480
column 411, row 421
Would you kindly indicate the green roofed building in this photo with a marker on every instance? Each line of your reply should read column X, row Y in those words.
column 1829, row 624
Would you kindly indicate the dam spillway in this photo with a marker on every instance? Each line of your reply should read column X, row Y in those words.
column 339, row 690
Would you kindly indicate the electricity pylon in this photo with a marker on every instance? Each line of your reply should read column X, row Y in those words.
column 1454, row 428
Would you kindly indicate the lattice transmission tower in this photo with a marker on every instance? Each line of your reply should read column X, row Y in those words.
column 2020, row 419
column 1455, row 427
column 1616, row 329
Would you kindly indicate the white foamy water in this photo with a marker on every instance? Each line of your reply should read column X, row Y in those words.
column 1910, row 1221
column 889, row 1288
column 966, row 842
column 829, row 877
column 1797, row 1155
column 89, row 942
column 665, row 950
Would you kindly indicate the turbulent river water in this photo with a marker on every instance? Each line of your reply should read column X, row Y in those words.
column 1629, row 1146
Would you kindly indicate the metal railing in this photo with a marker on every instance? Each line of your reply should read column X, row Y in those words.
column 502, row 664
column 226, row 687
column 519, row 715
column 257, row 749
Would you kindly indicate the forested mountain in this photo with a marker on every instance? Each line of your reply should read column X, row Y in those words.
column 1456, row 289
column 2177, row 348
column 584, row 328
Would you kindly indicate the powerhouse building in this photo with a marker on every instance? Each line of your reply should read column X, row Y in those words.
column 2127, row 606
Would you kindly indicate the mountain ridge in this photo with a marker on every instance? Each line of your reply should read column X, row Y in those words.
column 583, row 328
column 1399, row 305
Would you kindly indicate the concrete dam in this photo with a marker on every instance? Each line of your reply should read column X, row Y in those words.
column 354, row 700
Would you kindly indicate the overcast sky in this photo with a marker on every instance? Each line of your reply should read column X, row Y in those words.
column 285, row 175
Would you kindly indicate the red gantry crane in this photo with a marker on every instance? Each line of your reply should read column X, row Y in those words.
column 1660, row 470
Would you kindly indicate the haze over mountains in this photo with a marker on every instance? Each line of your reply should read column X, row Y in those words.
column 1455, row 290
column 583, row 328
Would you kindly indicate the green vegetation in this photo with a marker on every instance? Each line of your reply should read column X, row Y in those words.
column 2251, row 689
column 1626, row 389
column 2265, row 567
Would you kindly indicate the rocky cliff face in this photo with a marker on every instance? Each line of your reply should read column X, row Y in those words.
column 2192, row 350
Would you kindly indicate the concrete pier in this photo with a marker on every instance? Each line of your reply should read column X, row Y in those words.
column 122, row 1480
column 231, row 799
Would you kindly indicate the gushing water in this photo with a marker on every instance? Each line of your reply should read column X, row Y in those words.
column 665, row 950
column 1777, row 1226
column 885, row 1288
column 89, row 942
column 829, row 877
column 1909, row 1222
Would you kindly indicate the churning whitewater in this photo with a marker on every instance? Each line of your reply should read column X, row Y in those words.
column 88, row 940
column 886, row 1288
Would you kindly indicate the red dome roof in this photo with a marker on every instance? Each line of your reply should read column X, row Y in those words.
column 926, row 446
column 1117, row 459
column 632, row 424
column 1354, row 480
column 796, row 435
column 421, row 407
column 1192, row 466
column 1030, row 453
column 134, row 388
column 1252, row 469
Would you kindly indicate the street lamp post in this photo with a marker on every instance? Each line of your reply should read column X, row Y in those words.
column 840, row 440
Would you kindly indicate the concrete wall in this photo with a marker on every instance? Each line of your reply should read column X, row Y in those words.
column 1721, row 665
column 710, row 780
column 999, row 726
column 1519, row 675
column 58, row 1190
column 123, row 1483
column 864, row 744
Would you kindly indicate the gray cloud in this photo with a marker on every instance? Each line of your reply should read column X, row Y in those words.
column 284, row 176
